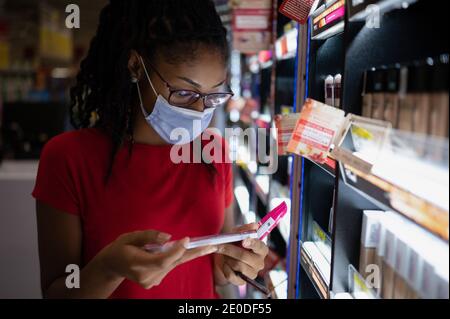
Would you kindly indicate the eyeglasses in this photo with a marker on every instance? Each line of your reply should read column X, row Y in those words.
column 183, row 98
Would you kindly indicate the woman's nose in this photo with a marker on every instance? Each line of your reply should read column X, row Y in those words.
column 198, row 105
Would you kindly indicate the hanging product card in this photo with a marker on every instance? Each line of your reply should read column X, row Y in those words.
column 315, row 130
column 251, row 19
column 285, row 125
column 251, row 4
column 298, row 10
column 251, row 42
column 251, row 25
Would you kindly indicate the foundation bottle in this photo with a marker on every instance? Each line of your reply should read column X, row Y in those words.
column 379, row 85
column 439, row 101
column 391, row 97
column 367, row 93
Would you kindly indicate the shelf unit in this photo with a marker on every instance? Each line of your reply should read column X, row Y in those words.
column 325, row 193
column 272, row 86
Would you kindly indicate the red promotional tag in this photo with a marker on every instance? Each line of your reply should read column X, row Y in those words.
column 297, row 10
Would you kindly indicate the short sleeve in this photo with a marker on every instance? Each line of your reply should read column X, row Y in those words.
column 55, row 179
column 228, row 184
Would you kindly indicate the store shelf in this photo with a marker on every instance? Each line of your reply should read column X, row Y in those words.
column 360, row 10
column 16, row 72
column 328, row 20
column 400, row 171
column 392, row 197
column 277, row 280
column 314, row 271
column 329, row 166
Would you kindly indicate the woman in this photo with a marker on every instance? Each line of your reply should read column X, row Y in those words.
column 153, row 66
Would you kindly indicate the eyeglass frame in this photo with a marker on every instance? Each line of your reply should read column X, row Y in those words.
column 200, row 95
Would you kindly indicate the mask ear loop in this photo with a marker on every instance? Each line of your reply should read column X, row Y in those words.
column 148, row 77
column 140, row 100
column 139, row 90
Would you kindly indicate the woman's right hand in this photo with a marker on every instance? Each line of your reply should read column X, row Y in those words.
column 125, row 258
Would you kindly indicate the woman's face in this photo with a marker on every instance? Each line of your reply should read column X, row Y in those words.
column 204, row 74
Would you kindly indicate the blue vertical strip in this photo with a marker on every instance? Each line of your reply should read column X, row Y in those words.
column 292, row 164
column 300, row 224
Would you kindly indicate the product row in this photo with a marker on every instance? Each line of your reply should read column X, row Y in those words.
column 412, row 97
column 400, row 260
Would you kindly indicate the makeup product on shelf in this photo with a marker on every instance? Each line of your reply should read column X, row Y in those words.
column 337, row 90
column 422, row 99
column 380, row 252
column 406, row 107
column 370, row 237
column 439, row 100
column 402, row 289
column 379, row 85
column 367, row 93
column 391, row 97
column 329, row 90
column 417, row 97
column 387, row 290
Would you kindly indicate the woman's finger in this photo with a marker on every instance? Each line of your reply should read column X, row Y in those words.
column 141, row 238
column 231, row 276
column 246, row 227
column 241, row 267
column 256, row 245
column 191, row 254
column 239, row 253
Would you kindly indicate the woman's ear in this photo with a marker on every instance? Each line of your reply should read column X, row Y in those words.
column 134, row 66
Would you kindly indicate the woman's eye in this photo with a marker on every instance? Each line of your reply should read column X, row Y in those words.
column 183, row 93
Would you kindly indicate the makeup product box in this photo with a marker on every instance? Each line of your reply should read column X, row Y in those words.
column 370, row 237
column 380, row 252
column 387, row 290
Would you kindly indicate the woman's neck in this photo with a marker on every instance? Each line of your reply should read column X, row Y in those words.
column 144, row 133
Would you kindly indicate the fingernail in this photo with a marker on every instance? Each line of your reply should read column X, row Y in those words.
column 246, row 243
column 163, row 237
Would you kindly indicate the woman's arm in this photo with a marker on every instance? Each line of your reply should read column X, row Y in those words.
column 60, row 242
column 229, row 220
column 60, row 239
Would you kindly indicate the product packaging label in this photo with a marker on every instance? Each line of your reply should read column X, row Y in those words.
column 315, row 131
column 285, row 125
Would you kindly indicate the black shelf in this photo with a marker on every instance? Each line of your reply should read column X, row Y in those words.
column 404, row 36
column 380, row 193
column 329, row 166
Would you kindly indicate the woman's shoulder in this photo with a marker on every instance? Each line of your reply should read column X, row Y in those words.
column 77, row 141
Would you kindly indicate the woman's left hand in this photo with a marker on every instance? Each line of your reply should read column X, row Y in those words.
column 248, row 259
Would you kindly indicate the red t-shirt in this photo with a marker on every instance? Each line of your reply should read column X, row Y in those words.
column 145, row 191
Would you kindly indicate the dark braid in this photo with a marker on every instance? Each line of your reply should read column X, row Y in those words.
column 104, row 95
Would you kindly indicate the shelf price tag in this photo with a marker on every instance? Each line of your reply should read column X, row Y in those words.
column 298, row 10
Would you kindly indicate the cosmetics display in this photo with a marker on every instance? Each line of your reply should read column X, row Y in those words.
column 373, row 100
column 412, row 97
column 401, row 251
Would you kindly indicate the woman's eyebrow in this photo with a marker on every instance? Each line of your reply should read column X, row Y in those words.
column 192, row 82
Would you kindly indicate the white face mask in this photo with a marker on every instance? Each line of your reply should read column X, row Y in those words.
column 175, row 125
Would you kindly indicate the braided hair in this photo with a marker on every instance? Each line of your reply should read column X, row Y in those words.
column 103, row 95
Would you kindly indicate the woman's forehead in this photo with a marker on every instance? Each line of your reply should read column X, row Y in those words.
column 207, row 69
